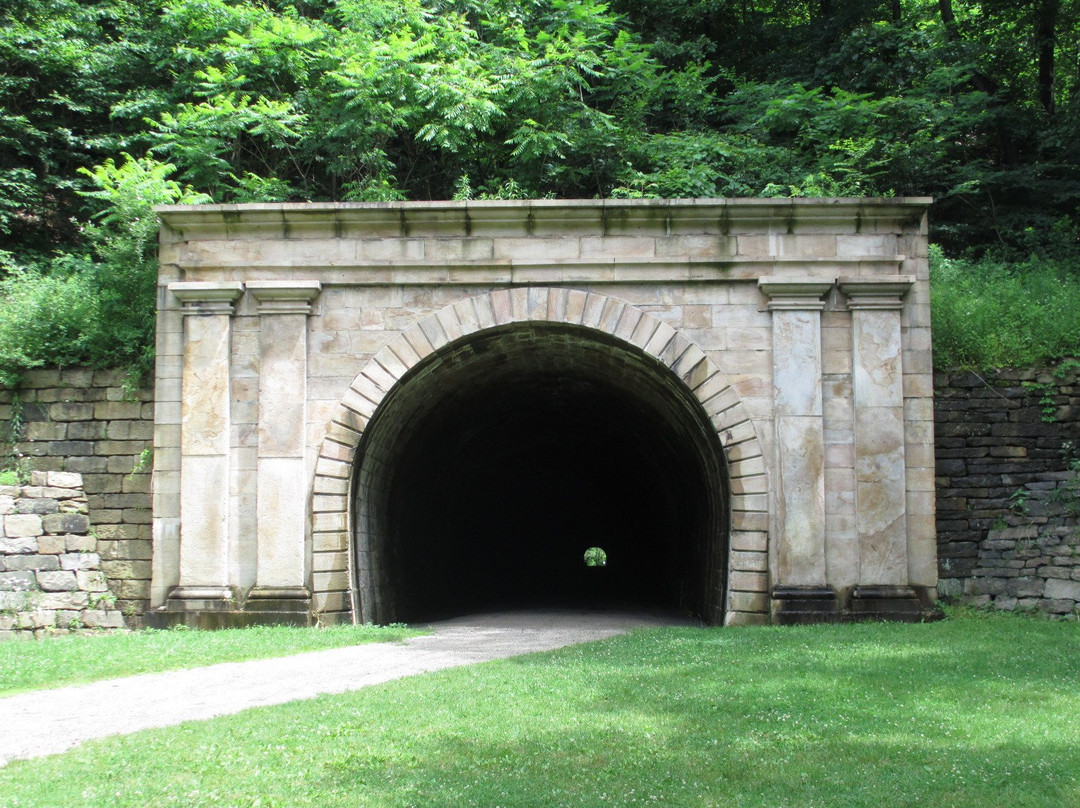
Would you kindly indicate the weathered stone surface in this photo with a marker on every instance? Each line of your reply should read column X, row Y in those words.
column 16, row 581
column 57, row 581
column 22, row 525
column 23, row 545
column 1061, row 589
column 91, row 581
column 66, row 523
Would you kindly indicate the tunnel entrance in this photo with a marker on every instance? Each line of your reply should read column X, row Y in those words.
column 494, row 465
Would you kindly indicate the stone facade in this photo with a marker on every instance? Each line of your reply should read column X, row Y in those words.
column 91, row 423
column 51, row 581
column 310, row 357
column 1008, row 445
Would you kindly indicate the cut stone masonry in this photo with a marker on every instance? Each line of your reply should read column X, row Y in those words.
column 735, row 395
column 51, row 580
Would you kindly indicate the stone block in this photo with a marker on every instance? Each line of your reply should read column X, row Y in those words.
column 64, row 600
column 130, row 430
column 37, row 505
column 118, row 411
column 102, row 618
column 86, row 430
column 984, row 586
column 128, row 448
column 1058, row 589
column 17, row 581
column 38, row 618
column 79, row 561
column 66, row 523
column 57, row 581
column 132, row 589
column 27, row 544
column 64, row 479
column 91, row 581
column 1025, row 587
column 17, row 526
column 32, row 562
column 51, row 545
column 90, row 465
column 1057, row 606
column 65, row 411
column 80, row 544
column 7, row 505
column 126, row 569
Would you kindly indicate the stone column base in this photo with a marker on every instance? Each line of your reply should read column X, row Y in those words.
column 886, row 603
column 804, row 604
column 218, row 607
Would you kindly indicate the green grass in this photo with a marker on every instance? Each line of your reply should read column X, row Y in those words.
column 971, row 712
column 67, row 660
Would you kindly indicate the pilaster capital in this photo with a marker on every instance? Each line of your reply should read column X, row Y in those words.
column 284, row 297
column 788, row 294
column 207, row 297
column 876, row 293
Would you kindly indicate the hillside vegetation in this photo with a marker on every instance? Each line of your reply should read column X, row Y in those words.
column 110, row 106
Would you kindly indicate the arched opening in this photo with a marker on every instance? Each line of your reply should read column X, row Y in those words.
column 494, row 463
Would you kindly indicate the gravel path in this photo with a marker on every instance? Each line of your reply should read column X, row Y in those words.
column 46, row 722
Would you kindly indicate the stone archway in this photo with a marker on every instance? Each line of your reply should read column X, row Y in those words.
column 297, row 343
column 595, row 367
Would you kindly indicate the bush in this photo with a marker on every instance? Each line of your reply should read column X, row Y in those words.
column 992, row 314
column 96, row 312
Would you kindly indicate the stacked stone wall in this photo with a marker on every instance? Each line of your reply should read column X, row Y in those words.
column 50, row 572
column 1008, row 489
column 91, row 423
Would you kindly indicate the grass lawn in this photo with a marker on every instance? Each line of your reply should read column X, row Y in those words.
column 974, row 711
column 71, row 659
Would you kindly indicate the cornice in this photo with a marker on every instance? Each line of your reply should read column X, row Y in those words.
column 539, row 218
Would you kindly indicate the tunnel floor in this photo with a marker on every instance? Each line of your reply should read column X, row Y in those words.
column 487, row 475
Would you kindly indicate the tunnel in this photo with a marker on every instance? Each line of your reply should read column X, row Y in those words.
column 494, row 465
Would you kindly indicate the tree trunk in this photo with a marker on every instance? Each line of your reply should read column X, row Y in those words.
column 1046, row 40
column 948, row 18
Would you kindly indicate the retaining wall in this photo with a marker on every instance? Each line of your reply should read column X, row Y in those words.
column 50, row 572
column 1008, row 502
column 89, row 422
column 1008, row 497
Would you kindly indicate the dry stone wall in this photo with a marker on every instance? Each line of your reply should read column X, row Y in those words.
column 89, row 422
column 1008, row 489
column 50, row 571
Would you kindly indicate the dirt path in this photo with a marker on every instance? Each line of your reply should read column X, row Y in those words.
column 50, row 721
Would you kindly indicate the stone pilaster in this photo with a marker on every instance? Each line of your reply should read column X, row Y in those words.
column 205, row 580
column 281, row 566
column 880, row 478
column 800, row 592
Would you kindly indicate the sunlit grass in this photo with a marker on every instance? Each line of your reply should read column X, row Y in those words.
column 968, row 712
column 65, row 660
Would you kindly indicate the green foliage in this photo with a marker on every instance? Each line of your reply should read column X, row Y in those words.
column 991, row 313
column 976, row 104
column 95, row 311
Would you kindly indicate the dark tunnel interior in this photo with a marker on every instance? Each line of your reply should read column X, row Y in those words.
column 490, row 470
